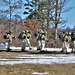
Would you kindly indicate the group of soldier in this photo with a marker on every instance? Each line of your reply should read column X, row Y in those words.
column 41, row 38
column 67, row 38
column 25, row 36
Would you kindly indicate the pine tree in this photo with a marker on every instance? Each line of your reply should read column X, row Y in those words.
column 48, row 12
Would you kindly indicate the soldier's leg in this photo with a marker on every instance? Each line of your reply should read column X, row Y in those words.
column 66, row 47
column 39, row 45
column 73, row 46
column 8, row 46
column 63, row 46
column 29, row 45
column 43, row 44
column 23, row 46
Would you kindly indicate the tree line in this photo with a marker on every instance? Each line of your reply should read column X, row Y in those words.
column 38, row 14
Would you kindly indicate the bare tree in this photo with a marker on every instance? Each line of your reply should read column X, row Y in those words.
column 11, row 8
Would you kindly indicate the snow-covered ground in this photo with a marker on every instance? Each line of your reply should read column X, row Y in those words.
column 38, row 58
column 3, row 47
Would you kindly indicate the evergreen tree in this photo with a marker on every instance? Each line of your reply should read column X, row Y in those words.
column 48, row 12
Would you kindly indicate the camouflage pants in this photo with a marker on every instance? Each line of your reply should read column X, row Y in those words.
column 43, row 44
column 9, row 44
column 23, row 45
column 65, row 46
column 39, row 44
column 28, row 43
column 73, row 47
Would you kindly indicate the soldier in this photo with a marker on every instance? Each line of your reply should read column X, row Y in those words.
column 73, row 40
column 22, row 36
column 28, row 35
column 67, row 39
column 41, row 39
column 9, row 36
column 46, row 39
column 61, row 37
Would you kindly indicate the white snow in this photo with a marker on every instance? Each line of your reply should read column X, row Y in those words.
column 38, row 58
column 4, row 46
column 38, row 73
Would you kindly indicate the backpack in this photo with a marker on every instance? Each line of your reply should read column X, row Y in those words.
column 73, row 36
column 5, row 35
column 61, row 37
column 20, row 35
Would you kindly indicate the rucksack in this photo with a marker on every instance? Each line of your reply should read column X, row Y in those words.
column 20, row 35
column 73, row 36
column 61, row 37
column 5, row 35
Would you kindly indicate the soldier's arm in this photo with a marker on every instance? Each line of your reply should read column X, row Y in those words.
column 8, row 36
column 69, row 39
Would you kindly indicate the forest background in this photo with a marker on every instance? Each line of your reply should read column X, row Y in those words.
column 45, row 14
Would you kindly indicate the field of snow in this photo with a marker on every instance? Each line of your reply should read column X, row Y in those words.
column 38, row 58
column 3, row 47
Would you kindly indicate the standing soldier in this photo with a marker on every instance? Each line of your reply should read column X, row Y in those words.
column 67, row 39
column 41, row 39
column 73, row 40
column 39, row 47
column 9, row 36
column 46, row 39
column 22, row 36
column 61, row 37
column 28, row 35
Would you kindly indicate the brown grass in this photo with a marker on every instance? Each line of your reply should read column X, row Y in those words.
column 27, row 69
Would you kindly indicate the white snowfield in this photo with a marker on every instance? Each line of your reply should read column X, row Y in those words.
column 3, row 47
column 38, row 58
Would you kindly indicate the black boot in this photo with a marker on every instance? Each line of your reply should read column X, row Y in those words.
column 38, row 48
column 30, row 48
column 22, row 50
column 8, row 49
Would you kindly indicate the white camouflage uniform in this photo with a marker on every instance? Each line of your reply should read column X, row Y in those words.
column 10, row 37
column 23, row 41
column 73, row 41
column 61, row 37
column 28, row 35
column 41, row 39
column 67, row 40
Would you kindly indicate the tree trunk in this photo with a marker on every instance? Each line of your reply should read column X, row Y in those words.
column 56, row 19
column 56, row 30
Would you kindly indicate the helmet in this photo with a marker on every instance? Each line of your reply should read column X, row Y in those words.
column 66, row 33
column 69, row 33
column 27, row 31
column 41, row 31
column 10, row 32
column 23, row 31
